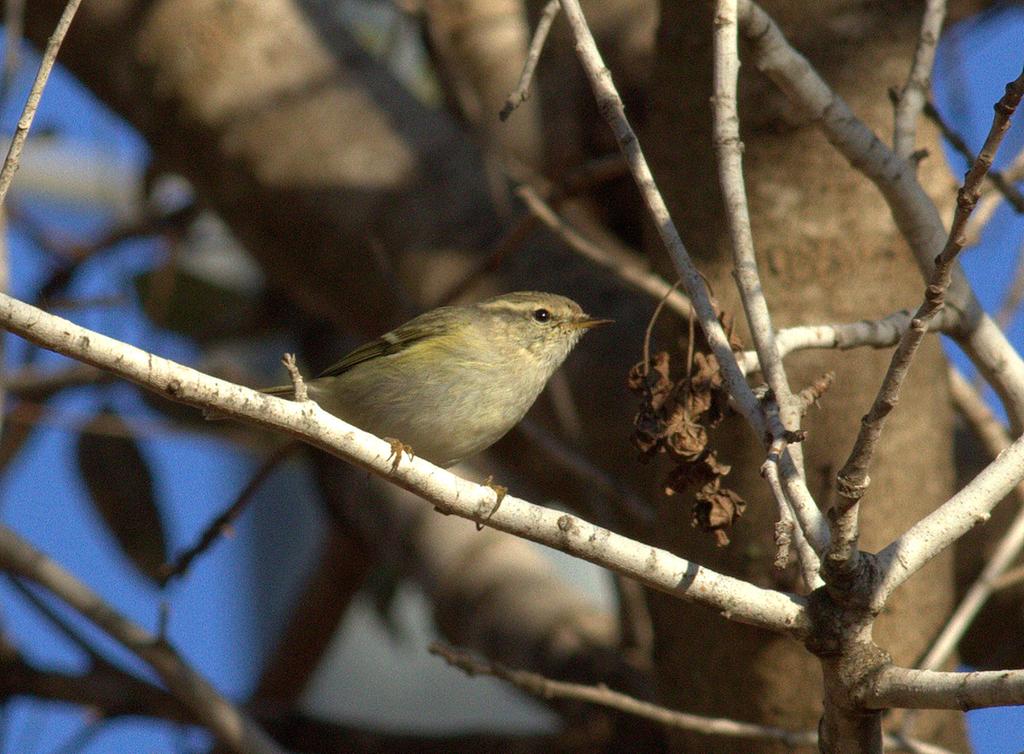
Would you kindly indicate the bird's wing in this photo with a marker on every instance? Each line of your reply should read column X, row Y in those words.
column 429, row 325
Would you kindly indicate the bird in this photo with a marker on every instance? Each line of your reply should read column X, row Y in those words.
column 454, row 380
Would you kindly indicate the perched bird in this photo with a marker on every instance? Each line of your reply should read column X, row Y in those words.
column 453, row 381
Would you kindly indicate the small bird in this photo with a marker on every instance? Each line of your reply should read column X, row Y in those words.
column 453, row 381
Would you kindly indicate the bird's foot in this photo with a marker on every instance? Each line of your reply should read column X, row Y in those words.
column 397, row 449
column 500, row 493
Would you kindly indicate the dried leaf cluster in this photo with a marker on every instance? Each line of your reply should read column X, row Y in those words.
column 677, row 414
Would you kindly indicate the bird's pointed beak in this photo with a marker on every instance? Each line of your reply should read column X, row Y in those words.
column 589, row 322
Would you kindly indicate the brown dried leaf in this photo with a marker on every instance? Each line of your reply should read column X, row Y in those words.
column 716, row 510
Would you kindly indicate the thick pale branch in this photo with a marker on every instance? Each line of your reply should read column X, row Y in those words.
column 656, row 568
column 929, row 689
column 990, row 430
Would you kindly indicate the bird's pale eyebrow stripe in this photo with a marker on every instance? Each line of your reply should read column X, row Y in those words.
column 506, row 306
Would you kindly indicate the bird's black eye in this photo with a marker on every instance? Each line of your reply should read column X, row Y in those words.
column 541, row 315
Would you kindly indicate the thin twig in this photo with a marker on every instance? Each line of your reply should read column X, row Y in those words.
column 852, row 480
column 915, row 91
column 1012, row 577
column 991, row 199
column 222, row 523
column 813, row 393
column 611, row 108
column 579, row 179
column 999, row 181
column 547, row 688
column 13, row 158
column 653, row 321
column 630, row 271
column 627, row 500
column 58, row 622
column 810, row 563
column 227, row 723
column 783, row 529
column 298, row 384
column 34, row 383
column 540, row 36
column 32, row 413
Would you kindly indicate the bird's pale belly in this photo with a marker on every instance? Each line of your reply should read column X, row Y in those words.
column 451, row 423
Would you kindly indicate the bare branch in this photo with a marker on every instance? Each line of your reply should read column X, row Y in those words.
column 991, row 199
column 930, row 689
column 879, row 333
column 546, row 688
column 990, row 430
column 231, row 726
column 810, row 564
column 1002, row 183
column 656, row 568
column 729, row 150
column 10, row 166
column 1014, row 294
column 540, row 36
column 105, row 688
column 610, row 105
column 943, row 526
column 222, row 523
column 34, row 383
column 14, row 24
column 915, row 91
